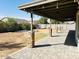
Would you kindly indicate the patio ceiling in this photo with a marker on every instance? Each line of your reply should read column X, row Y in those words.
column 59, row 10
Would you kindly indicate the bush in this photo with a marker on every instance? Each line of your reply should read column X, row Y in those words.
column 26, row 26
column 2, row 26
column 34, row 26
column 12, row 25
column 43, row 20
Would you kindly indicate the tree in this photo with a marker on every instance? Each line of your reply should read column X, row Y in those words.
column 53, row 21
column 25, row 26
column 11, row 25
column 42, row 20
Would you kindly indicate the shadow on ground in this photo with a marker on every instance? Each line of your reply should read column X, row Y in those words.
column 9, row 58
column 70, row 39
column 46, row 45
column 10, row 45
column 56, row 35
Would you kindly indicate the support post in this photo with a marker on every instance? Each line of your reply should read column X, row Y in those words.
column 50, row 29
column 50, row 32
column 77, row 28
column 32, row 31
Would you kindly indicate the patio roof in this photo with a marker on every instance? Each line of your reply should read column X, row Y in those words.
column 59, row 10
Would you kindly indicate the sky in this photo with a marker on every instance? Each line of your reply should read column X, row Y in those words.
column 9, row 8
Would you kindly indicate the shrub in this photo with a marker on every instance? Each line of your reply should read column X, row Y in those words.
column 2, row 26
column 34, row 26
column 43, row 20
column 25, row 26
column 11, row 25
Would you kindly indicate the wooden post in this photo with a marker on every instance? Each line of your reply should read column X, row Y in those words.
column 50, row 32
column 77, row 28
column 50, row 29
column 32, row 31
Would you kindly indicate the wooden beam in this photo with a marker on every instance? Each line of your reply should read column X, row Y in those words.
column 45, row 4
column 48, row 6
column 54, row 8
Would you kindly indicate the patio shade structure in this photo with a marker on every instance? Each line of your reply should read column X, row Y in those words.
column 59, row 10
column 62, row 10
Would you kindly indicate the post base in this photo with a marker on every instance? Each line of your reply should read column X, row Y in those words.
column 50, row 32
column 33, row 39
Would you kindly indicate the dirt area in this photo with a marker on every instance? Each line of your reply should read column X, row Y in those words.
column 14, row 41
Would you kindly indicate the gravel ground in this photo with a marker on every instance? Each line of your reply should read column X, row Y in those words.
column 48, row 48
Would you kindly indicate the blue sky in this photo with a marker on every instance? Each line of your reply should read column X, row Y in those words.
column 10, row 8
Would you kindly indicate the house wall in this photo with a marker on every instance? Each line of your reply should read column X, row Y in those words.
column 5, row 19
column 65, row 27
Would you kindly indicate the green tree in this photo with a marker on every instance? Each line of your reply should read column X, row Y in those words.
column 53, row 21
column 42, row 20
column 11, row 25
column 25, row 26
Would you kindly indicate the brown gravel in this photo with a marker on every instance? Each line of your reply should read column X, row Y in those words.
column 13, row 41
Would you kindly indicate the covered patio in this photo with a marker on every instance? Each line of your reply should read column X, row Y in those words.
column 58, row 9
